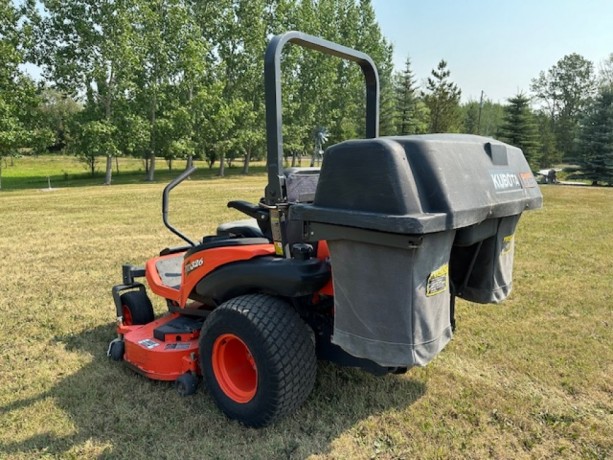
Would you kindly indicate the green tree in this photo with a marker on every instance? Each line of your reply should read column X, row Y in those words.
column 595, row 140
column 319, row 90
column 244, row 27
column 388, row 114
column 57, row 110
column 94, row 139
column 132, row 132
column 443, row 100
column 471, row 115
column 370, row 39
column 605, row 74
column 519, row 128
column 86, row 47
column 174, row 54
column 22, row 129
column 482, row 117
column 412, row 113
column 549, row 151
column 163, row 69
column 565, row 90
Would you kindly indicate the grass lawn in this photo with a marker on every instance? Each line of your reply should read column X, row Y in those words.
column 67, row 171
column 530, row 378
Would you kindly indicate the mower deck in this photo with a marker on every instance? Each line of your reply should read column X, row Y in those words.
column 164, row 349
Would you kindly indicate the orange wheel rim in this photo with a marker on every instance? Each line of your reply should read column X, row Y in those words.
column 234, row 368
column 127, row 315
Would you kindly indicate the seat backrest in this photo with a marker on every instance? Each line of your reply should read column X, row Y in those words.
column 300, row 184
column 246, row 228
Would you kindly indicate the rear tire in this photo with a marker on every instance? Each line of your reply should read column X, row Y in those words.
column 136, row 308
column 257, row 358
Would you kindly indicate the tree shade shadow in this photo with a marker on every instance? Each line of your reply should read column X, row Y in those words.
column 75, row 180
column 129, row 416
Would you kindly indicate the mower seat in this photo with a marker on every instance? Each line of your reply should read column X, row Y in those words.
column 246, row 228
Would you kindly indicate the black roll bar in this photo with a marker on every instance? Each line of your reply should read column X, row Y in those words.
column 272, row 83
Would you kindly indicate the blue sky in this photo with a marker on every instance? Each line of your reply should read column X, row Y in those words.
column 496, row 46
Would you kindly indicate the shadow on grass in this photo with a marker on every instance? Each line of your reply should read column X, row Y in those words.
column 125, row 178
column 124, row 415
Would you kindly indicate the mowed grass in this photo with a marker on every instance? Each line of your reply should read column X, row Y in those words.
column 530, row 378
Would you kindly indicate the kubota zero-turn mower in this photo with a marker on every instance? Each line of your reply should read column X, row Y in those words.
column 405, row 224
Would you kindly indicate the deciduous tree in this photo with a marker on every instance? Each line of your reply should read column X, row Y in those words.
column 21, row 127
column 565, row 90
column 86, row 48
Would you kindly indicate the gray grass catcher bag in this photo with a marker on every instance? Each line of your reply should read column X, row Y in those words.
column 401, row 319
column 410, row 222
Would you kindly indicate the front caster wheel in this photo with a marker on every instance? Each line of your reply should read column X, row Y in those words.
column 136, row 308
column 116, row 350
column 187, row 384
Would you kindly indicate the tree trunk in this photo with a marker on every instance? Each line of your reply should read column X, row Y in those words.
column 109, row 170
column 151, row 170
column 117, row 165
column 293, row 159
column 190, row 162
column 170, row 164
column 247, row 161
column 222, row 165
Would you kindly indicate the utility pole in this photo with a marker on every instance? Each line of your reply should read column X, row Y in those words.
column 479, row 119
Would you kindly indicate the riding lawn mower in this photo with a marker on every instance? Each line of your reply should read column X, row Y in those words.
column 358, row 262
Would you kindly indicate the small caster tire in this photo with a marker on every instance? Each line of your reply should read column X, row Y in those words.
column 187, row 384
column 116, row 350
column 136, row 308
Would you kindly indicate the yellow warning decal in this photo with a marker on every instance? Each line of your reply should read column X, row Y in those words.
column 279, row 248
column 507, row 243
column 438, row 281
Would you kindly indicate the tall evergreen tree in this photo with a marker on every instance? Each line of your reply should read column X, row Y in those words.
column 388, row 114
column 595, row 141
column 519, row 128
column 412, row 115
column 443, row 100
